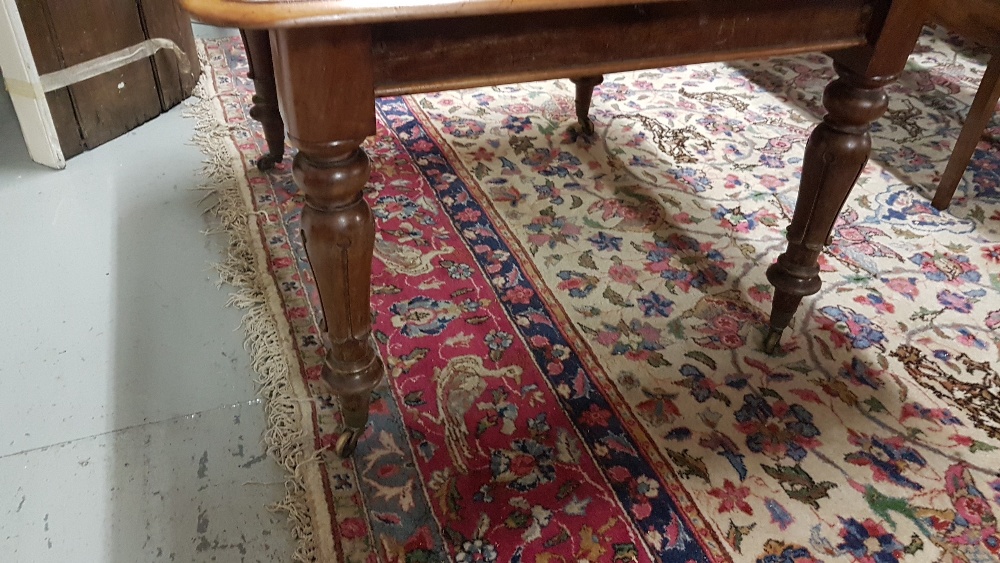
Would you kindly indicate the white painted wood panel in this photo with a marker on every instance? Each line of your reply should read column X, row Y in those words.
column 21, row 79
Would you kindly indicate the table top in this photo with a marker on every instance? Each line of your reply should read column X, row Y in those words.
column 297, row 13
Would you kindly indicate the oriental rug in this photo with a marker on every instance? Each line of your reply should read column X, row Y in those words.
column 572, row 325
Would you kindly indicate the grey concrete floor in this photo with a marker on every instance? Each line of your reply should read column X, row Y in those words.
column 129, row 424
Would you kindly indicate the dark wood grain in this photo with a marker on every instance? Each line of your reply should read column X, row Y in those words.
column 164, row 18
column 48, row 58
column 584, row 95
column 836, row 154
column 838, row 150
column 978, row 20
column 982, row 110
column 63, row 33
column 328, row 126
column 274, row 14
column 445, row 54
column 115, row 102
column 265, row 100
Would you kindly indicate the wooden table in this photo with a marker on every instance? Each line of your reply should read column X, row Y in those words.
column 332, row 58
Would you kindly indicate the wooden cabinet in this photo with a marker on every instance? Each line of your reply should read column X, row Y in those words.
column 64, row 33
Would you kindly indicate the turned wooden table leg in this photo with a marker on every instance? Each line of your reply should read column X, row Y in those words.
column 265, row 101
column 584, row 95
column 835, row 156
column 327, row 95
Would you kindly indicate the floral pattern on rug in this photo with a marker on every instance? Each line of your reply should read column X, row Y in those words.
column 572, row 326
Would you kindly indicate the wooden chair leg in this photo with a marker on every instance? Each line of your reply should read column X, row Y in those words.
column 265, row 101
column 983, row 108
column 584, row 94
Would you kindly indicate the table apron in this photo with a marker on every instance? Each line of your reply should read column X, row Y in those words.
column 444, row 54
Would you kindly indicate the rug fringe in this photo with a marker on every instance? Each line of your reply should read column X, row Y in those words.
column 267, row 344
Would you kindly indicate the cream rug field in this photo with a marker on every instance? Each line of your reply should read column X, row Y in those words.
column 572, row 326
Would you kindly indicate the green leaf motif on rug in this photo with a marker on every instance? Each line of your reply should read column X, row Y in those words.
column 978, row 215
column 567, row 489
column 702, row 357
column 449, row 498
column 520, row 144
column 423, row 556
column 875, row 406
column 801, row 367
column 839, row 390
column 414, row 399
column 882, row 505
column 676, row 328
column 906, row 233
column 588, row 312
column 615, row 298
column 735, row 535
column 799, row 485
column 587, row 260
column 485, row 424
column 978, row 446
column 481, row 171
column 657, row 360
column 518, row 519
column 689, row 465
column 561, row 537
column 995, row 280
column 626, row 552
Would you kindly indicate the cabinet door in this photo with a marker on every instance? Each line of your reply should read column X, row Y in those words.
column 55, row 35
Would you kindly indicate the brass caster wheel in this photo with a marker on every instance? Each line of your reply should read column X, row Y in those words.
column 267, row 161
column 772, row 341
column 587, row 127
column 347, row 442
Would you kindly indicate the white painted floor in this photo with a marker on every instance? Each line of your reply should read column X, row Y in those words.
column 129, row 425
